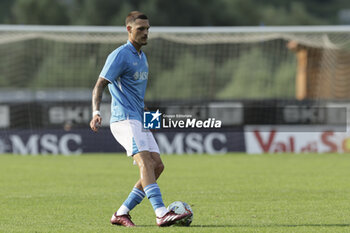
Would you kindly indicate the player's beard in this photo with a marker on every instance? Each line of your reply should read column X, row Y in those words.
column 143, row 40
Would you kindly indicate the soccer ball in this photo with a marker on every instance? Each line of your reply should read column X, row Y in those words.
column 180, row 207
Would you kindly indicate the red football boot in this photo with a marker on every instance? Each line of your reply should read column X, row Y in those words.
column 171, row 218
column 122, row 220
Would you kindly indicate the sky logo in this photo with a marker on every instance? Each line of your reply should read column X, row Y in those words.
column 152, row 120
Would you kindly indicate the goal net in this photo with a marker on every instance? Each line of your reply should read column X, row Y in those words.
column 60, row 63
column 185, row 63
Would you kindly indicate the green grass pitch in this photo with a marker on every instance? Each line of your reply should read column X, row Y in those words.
column 228, row 193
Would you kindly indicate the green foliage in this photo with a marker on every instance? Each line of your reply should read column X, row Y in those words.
column 169, row 13
column 189, row 78
column 99, row 12
column 297, row 14
column 119, row 19
column 284, row 79
column 39, row 12
column 253, row 75
column 182, row 13
column 239, row 12
column 16, row 64
column 5, row 6
column 57, row 71
column 192, row 76
column 249, row 76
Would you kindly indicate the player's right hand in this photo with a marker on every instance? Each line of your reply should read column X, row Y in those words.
column 95, row 123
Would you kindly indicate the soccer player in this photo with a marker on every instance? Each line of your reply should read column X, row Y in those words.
column 126, row 73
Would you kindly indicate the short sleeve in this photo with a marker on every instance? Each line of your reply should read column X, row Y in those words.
column 113, row 67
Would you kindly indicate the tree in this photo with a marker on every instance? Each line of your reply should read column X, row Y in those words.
column 254, row 75
column 49, row 12
column 188, row 79
column 5, row 6
column 170, row 13
column 295, row 14
column 99, row 12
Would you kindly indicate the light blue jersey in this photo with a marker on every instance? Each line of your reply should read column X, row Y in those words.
column 127, row 72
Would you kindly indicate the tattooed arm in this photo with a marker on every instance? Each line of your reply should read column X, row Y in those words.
column 96, row 102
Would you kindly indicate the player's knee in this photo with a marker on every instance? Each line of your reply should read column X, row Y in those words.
column 159, row 168
column 146, row 162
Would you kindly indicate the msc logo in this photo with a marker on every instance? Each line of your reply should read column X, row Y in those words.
column 151, row 120
column 140, row 75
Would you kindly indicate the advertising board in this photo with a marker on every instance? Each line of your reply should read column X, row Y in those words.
column 78, row 141
column 295, row 139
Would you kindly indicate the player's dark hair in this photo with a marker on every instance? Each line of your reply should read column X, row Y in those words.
column 133, row 16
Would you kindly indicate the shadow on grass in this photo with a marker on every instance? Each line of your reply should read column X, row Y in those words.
column 277, row 225
column 259, row 226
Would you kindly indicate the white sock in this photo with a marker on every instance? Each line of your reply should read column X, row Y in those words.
column 123, row 210
column 161, row 211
